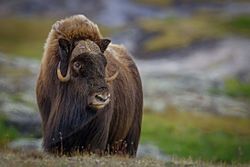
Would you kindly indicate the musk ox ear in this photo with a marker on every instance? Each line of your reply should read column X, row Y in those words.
column 64, row 48
column 103, row 44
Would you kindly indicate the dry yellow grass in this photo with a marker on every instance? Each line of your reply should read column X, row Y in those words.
column 31, row 159
column 180, row 32
column 26, row 36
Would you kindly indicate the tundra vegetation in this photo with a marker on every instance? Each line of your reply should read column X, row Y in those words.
column 7, row 133
column 206, row 138
column 174, row 33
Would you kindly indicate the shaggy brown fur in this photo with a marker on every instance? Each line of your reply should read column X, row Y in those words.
column 68, row 123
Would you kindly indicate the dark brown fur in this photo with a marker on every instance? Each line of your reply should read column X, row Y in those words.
column 68, row 124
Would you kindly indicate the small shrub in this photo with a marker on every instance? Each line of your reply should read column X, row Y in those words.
column 7, row 133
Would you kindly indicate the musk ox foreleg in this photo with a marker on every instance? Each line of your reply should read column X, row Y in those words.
column 95, row 135
column 91, row 138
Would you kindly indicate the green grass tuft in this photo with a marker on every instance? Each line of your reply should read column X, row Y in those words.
column 7, row 133
column 239, row 24
column 199, row 135
column 156, row 3
column 234, row 88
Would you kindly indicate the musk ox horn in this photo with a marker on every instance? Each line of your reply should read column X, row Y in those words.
column 109, row 79
column 60, row 76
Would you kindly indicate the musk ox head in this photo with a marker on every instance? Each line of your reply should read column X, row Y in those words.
column 82, row 62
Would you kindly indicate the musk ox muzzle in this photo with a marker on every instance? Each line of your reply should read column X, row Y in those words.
column 99, row 100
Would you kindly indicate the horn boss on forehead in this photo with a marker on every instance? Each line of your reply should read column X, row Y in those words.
column 85, row 46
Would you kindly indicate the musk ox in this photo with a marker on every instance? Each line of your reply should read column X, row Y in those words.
column 89, row 92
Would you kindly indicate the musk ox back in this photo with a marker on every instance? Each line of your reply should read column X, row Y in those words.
column 88, row 91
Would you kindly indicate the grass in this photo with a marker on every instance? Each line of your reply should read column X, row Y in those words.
column 240, row 24
column 199, row 135
column 7, row 133
column 156, row 3
column 32, row 158
column 234, row 88
column 174, row 33
column 28, row 159
column 26, row 36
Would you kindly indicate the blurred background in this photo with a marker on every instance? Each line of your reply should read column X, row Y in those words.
column 194, row 60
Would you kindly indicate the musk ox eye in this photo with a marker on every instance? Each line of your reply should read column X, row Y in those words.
column 77, row 65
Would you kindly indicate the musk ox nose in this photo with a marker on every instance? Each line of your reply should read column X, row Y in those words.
column 99, row 100
column 102, row 97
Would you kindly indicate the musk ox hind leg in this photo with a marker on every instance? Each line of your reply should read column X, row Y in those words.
column 133, row 136
column 132, row 139
column 128, row 146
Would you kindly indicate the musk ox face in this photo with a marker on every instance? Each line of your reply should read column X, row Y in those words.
column 83, row 63
column 89, row 68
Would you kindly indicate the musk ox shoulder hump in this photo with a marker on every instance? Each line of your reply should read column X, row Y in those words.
column 76, row 26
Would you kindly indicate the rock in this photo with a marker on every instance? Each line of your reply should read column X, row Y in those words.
column 23, row 118
column 17, row 97
column 149, row 150
column 26, row 144
column 186, row 81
